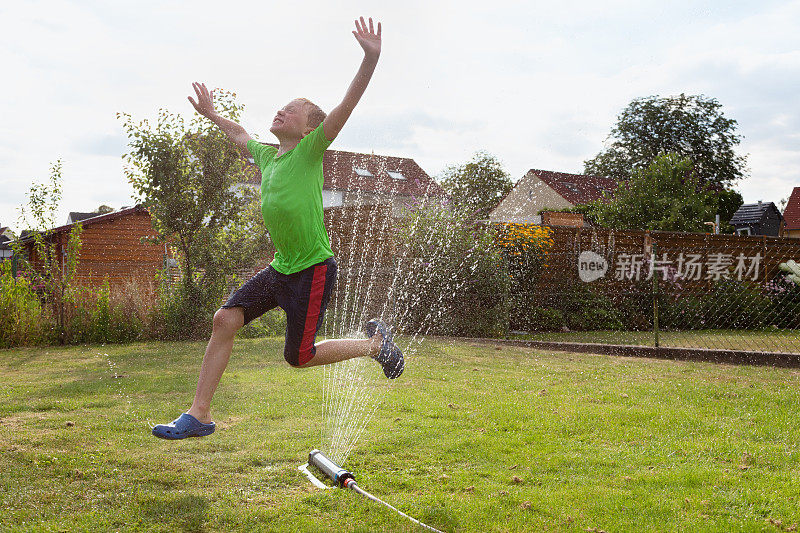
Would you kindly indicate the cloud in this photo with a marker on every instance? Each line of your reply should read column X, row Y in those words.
column 104, row 145
column 385, row 130
column 537, row 85
column 567, row 136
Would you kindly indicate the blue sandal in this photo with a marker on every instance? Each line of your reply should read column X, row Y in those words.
column 390, row 356
column 182, row 427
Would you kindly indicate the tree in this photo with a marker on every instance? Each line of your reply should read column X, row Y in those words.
column 455, row 280
column 725, row 203
column 191, row 179
column 666, row 195
column 477, row 186
column 690, row 126
column 53, row 262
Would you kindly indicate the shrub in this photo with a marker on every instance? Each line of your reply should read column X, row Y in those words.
column 585, row 309
column 79, row 316
column 22, row 318
column 270, row 324
column 785, row 303
column 680, row 312
column 525, row 315
column 110, row 315
column 456, row 281
column 101, row 316
column 87, row 315
column 182, row 314
column 135, row 303
column 524, row 248
column 634, row 305
column 732, row 304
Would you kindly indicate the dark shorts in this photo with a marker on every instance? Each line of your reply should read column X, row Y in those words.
column 303, row 296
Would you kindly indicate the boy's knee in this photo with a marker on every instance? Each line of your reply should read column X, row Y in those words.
column 228, row 320
column 297, row 358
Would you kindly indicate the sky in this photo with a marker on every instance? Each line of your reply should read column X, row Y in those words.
column 536, row 84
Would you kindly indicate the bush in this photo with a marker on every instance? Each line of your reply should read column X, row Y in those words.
column 102, row 315
column 732, row 304
column 585, row 310
column 785, row 298
column 22, row 317
column 680, row 312
column 134, row 306
column 270, row 324
column 634, row 305
column 456, row 281
column 578, row 306
column 182, row 314
column 524, row 248
column 526, row 315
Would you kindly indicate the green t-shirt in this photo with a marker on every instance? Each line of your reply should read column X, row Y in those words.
column 291, row 201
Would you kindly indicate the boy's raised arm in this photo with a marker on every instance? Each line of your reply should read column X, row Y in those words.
column 205, row 106
column 370, row 41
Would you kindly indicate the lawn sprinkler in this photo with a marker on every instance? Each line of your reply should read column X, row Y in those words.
column 346, row 480
column 332, row 471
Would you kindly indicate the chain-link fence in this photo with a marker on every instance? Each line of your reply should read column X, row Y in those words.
column 664, row 289
column 562, row 284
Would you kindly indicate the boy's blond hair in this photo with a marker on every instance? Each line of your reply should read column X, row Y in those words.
column 315, row 114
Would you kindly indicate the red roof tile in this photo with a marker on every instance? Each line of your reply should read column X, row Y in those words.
column 576, row 188
column 792, row 212
column 340, row 175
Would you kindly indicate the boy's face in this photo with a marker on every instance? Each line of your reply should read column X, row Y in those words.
column 291, row 121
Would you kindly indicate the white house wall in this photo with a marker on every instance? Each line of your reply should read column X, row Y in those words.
column 332, row 199
column 528, row 197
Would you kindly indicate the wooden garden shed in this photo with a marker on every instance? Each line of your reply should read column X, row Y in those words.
column 762, row 218
column 112, row 247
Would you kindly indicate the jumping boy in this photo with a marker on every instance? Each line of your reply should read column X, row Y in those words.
column 302, row 274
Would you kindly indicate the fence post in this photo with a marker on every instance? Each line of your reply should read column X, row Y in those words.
column 655, row 291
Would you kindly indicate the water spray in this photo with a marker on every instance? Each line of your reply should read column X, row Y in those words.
column 346, row 480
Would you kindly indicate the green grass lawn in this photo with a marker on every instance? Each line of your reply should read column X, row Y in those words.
column 471, row 438
column 786, row 340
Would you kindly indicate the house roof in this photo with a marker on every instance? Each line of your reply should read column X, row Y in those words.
column 792, row 212
column 26, row 235
column 753, row 213
column 339, row 171
column 576, row 188
column 75, row 216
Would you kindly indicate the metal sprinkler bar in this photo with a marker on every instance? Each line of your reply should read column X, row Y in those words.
column 347, row 480
column 334, row 472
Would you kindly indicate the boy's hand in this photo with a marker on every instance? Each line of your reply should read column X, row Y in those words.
column 371, row 43
column 205, row 106
column 205, row 101
column 368, row 39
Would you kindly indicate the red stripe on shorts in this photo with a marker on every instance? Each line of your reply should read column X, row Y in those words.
column 312, row 315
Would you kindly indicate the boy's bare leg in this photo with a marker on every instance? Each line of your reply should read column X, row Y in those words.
column 335, row 350
column 226, row 323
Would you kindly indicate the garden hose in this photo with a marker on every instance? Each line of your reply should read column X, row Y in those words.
column 350, row 483
column 347, row 480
